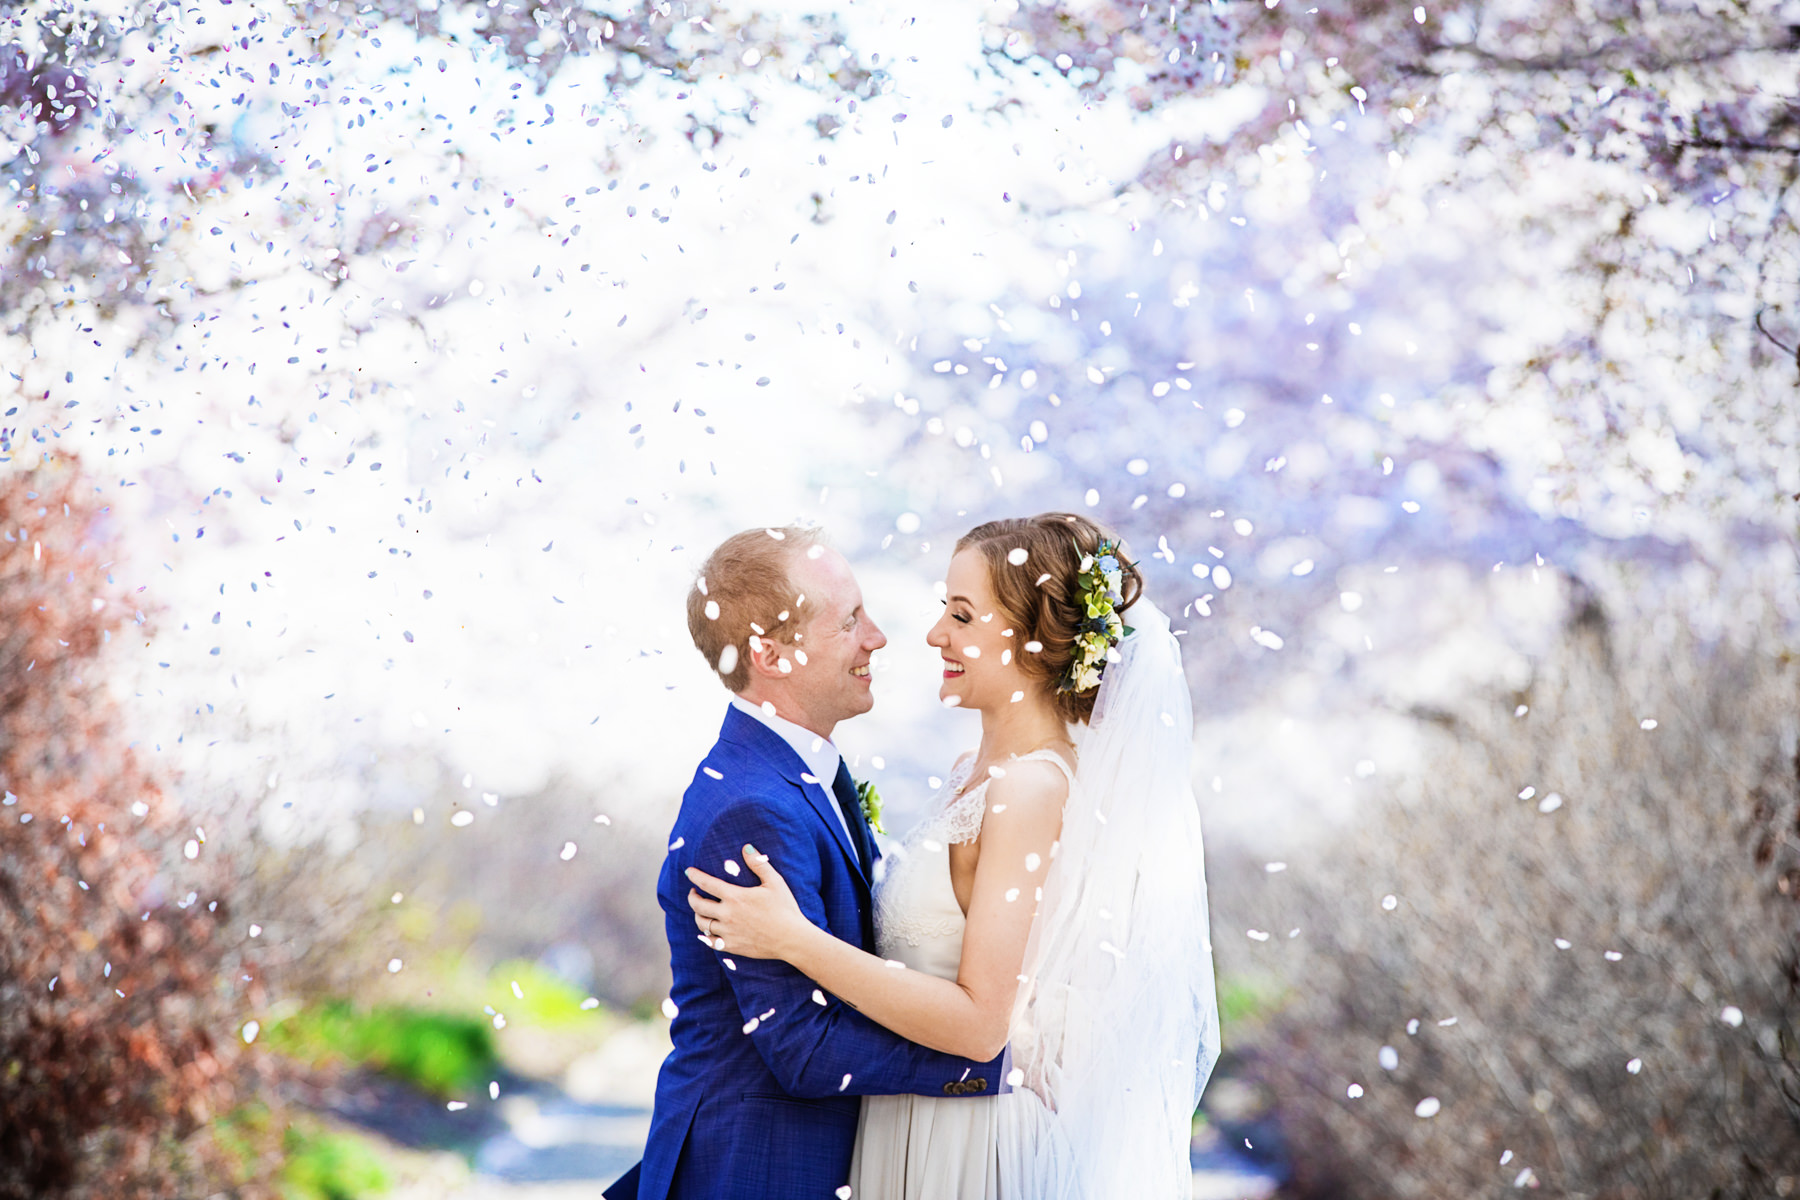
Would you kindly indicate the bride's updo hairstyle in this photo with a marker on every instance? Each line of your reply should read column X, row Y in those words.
column 1040, row 596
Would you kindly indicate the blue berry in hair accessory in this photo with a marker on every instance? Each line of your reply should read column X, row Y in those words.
column 1099, row 591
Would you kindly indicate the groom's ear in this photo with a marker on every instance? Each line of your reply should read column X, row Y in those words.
column 767, row 658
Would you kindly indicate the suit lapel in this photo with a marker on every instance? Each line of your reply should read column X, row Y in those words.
column 763, row 743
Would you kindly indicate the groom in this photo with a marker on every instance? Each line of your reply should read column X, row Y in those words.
column 758, row 1100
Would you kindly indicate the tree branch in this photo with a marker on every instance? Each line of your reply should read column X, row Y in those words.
column 1785, row 349
column 1741, row 145
column 1626, row 55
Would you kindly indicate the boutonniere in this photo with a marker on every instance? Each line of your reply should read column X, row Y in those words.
column 869, row 800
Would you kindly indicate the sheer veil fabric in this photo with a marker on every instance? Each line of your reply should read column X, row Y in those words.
column 1116, row 1027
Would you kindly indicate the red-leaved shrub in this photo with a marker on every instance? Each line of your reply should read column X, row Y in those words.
column 115, row 1036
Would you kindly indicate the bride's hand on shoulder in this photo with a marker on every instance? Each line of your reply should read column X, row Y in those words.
column 754, row 922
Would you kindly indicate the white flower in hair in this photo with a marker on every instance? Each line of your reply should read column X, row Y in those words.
column 1099, row 592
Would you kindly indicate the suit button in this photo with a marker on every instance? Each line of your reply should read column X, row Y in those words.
column 977, row 1085
column 953, row 1088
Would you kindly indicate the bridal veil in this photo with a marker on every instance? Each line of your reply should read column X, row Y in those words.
column 1116, row 1027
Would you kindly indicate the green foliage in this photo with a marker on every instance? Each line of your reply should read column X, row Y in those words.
column 299, row 1158
column 548, row 1002
column 240, row 1137
column 1244, row 999
column 437, row 1052
column 323, row 1165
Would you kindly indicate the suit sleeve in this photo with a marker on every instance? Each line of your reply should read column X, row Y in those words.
column 814, row 1049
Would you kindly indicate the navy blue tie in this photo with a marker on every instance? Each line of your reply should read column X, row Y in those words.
column 844, row 788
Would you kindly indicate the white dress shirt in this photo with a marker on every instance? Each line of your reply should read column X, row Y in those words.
column 819, row 755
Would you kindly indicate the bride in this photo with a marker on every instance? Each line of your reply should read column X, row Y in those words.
column 1053, row 903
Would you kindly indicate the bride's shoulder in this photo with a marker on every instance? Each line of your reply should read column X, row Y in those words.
column 1024, row 805
column 1041, row 776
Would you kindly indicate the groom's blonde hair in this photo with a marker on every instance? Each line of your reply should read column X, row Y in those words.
column 744, row 590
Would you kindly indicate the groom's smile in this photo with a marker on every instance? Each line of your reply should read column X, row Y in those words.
column 823, row 677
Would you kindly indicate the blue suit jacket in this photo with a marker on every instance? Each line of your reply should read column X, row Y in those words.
column 758, row 1100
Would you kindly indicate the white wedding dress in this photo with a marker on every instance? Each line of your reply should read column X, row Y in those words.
column 935, row 1147
column 1116, row 1027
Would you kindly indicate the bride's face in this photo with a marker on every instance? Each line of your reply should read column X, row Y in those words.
column 976, row 640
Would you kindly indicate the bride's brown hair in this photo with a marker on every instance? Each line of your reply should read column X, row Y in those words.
column 1038, row 596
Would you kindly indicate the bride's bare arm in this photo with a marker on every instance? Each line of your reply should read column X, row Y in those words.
column 968, row 1015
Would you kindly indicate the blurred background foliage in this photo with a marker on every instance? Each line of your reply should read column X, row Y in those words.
column 1439, row 361
column 97, row 1080
column 1572, row 943
column 441, row 1054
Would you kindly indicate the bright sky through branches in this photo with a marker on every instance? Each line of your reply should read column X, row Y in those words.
column 349, row 305
column 567, row 351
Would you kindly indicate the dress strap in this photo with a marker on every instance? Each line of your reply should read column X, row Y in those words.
column 1052, row 756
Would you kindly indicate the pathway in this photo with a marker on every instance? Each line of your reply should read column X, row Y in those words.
column 541, row 1141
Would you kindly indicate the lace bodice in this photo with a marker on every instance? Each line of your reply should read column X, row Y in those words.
column 957, row 812
column 917, row 919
